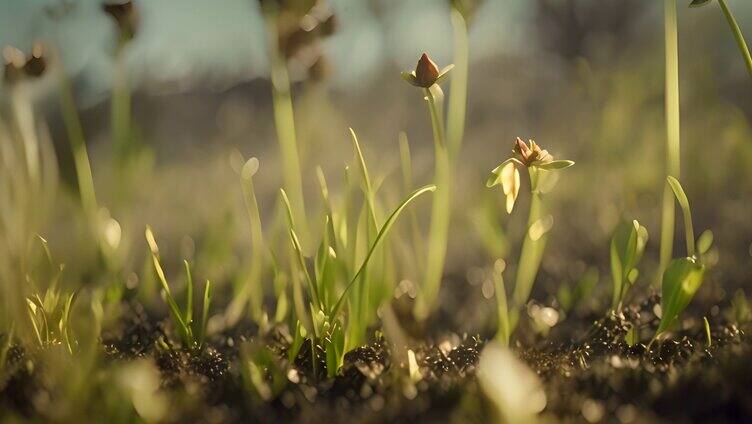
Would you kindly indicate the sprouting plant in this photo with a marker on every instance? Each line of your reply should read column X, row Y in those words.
column 627, row 247
column 683, row 276
column 192, row 333
column 672, row 134
column 734, row 26
column 740, row 311
column 428, row 76
column 327, row 323
column 538, row 163
column 49, row 313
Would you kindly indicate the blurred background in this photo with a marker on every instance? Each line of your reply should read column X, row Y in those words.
column 585, row 78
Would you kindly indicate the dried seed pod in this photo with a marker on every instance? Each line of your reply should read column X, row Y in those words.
column 18, row 65
column 125, row 15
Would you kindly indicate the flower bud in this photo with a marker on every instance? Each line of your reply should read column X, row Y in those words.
column 426, row 71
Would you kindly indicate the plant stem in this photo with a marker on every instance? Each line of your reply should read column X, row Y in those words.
column 284, row 121
column 672, row 135
column 440, row 208
column 737, row 35
column 80, row 154
column 531, row 253
column 120, row 108
column 458, row 96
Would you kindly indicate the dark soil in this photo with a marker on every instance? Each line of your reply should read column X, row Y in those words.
column 594, row 377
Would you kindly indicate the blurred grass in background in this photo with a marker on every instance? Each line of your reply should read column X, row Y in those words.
column 583, row 77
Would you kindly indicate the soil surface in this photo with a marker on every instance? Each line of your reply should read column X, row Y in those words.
column 597, row 377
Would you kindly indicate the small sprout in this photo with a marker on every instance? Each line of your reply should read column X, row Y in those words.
column 627, row 247
column 739, row 312
column 426, row 73
column 632, row 337
column 706, row 325
column 412, row 363
column 681, row 280
column 704, row 242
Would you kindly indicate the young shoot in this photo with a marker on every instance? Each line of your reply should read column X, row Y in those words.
column 627, row 247
column 538, row 162
column 192, row 333
column 684, row 276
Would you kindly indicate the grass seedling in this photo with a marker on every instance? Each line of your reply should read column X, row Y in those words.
column 627, row 247
column 672, row 134
column 537, row 162
column 192, row 334
column 427, row 76
column 706, row 327
column 327, row 322
column 683, row 276
column 49, row 313
column 735, row 30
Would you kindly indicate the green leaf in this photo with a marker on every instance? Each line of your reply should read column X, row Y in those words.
column 681, row 280
column 495, row 177
column 681, row 197
column 297, row 342
column 706, row 325
column 555, row 165
column 205, row 313
column 704, row 242
column 627, row 247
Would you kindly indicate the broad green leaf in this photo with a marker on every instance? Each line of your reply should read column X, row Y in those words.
column 681, row 280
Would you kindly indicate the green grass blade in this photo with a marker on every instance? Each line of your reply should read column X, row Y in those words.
column 205, row 313
column 189, row 296
column 681, row 197
column 369, row 192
